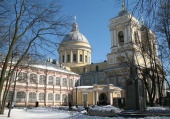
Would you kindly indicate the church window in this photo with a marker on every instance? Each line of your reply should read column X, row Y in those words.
column 33, row 78
column 32, row 97
column 63, row 58
column 21, row 96
column 121, row 37
column 86, row 58
column 50, row 96
column 57, row 97
column 64, row 98
column 50, row 80
column 74, row 57
column 68, row 58
column 57, row 81
column 10, row 95
column 64, row 83
column 81, row 58
column 71, row 82
column 97, row 68
column 42, row 79
column 41, row 97
column 22, row 77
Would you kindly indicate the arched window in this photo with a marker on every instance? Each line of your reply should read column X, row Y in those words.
column 33, row 78
column 42, row 79
column 64, row 98
column 64, row 82
column 121, row 37
column 50, row 80
column 41, row 97
column 58, row 81
column 50, row 96
column 32, row 97
column 22, row 77
column 71, row 82
column 10, row 95
column 57, row 97
column 21, row 96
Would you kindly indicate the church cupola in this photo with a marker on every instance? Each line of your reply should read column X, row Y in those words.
column 74, row 50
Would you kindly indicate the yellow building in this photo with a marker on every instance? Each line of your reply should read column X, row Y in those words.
column 104, row 81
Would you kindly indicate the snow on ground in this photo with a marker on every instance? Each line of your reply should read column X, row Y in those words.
column 63, row 113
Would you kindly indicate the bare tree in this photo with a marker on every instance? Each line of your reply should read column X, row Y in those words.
column 31, row 27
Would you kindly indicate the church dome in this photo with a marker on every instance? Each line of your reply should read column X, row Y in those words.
column 75, row 35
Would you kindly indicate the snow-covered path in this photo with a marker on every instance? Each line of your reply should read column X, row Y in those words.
column 54, row 113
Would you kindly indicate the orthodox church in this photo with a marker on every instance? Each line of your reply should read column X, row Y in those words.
column 75, row 78
column 105, row 82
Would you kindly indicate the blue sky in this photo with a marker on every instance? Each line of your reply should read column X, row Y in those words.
column 93, row 18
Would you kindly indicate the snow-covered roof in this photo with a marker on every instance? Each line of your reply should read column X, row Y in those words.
column 50, row 66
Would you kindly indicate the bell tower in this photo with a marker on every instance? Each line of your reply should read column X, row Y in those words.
column 122, row 28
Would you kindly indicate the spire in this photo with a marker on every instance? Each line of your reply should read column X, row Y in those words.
column 75, row 25
column 143, row 23
column 74, row 19
column 123, row 11
column 123, row 5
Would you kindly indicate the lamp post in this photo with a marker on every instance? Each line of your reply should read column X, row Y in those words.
column 76, row 97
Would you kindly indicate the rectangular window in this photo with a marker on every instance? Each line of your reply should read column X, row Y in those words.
column 68, row 58
column 74, row 57
column 86, row 58
column 81, row 58
column 63, row 58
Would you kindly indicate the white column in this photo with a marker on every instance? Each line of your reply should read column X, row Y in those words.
column 112, row 40
column 27, row 97
column 37, row 96
column 53, row 99
column 65, row 56
column 129, row 33
column 115, row 38
column 61, row 57
column 111, row 98
column 93, row 98
column 60, row 98
column 77, row 56
column 83, row 56
column 71, row 56
column 97, row 95
column 125, row 35
column 89, row 58
column 46, row 98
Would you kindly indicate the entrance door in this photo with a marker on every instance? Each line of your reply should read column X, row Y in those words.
column 102, row 99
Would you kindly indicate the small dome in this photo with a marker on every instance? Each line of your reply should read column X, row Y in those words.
column 75, row 35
